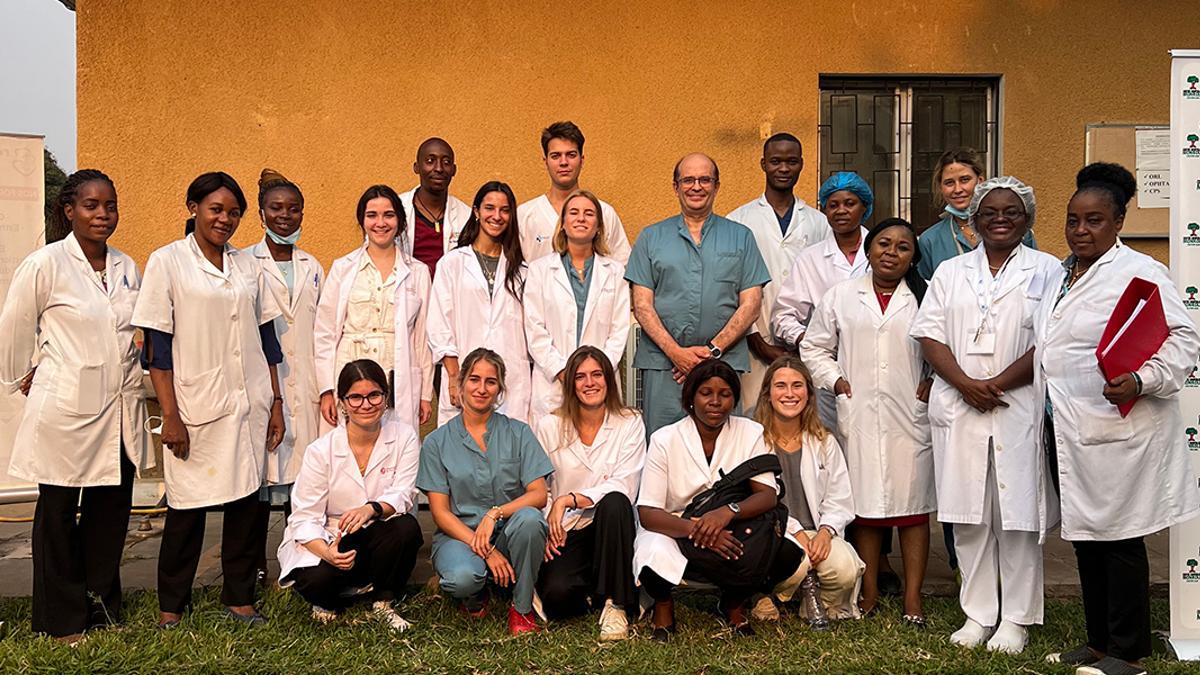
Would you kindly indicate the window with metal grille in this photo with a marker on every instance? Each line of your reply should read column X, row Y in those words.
column 891, row 132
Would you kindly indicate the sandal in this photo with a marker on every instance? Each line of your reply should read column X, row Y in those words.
column 914, row 620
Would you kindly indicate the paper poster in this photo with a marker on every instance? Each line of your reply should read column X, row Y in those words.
column 1153, row 169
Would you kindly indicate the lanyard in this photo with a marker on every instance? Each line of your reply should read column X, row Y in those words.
column 986, row 300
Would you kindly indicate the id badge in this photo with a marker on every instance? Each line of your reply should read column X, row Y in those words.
column 982, row 344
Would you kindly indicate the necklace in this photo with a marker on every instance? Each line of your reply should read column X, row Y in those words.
column 787, row 441
column 435, row 220
column 968, row 233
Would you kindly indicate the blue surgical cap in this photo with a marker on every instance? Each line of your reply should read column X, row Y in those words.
column 848, row 180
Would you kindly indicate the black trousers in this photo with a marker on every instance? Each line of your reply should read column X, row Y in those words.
column 1115, row 579
column 183, row 541
column 264, row 524
column 596, row 562
column 734, row 592
column 387, row 552
column 74, row 559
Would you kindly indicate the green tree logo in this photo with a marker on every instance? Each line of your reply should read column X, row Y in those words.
column 1193, row 227
column 1191, row 563
column 1192, row 80
column 1193, row 139
column 1191, row 291
column 1191, row 432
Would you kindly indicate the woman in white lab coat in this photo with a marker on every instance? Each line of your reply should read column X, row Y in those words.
column 683, row 460
column 575, row 296
column 1119, row 478
column 293, row 277
column 976, row 330
column 858, row 345
column 477, row 301
column 820, row 504
column 374, row 306
column 354, row 521
column 80, row 432
column 211, row 350
column 598, row 448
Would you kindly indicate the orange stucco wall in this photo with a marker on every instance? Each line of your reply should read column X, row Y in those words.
column 337, row 95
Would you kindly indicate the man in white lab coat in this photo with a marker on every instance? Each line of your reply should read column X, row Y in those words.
column 562, row 150
column 783, row 226
column 434, row 216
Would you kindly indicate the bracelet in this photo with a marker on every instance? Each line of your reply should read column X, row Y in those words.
column 496, row 518
column 1137, row 379
column 574, row 501
column 278, row 397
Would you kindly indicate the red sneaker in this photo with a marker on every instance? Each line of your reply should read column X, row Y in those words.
column 519, row 623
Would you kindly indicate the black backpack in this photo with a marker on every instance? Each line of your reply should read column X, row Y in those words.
column 761, row 536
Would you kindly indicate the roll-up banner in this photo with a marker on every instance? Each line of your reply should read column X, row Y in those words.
column 1185, row 268
column 22, row 229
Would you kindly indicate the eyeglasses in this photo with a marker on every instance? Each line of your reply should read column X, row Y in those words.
column 356, row 400
column 689, row 181
column 989, row 215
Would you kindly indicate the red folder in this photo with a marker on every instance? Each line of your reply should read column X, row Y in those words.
column 1134, row 333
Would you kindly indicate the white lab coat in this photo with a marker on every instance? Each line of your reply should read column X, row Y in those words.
column 817, row 269
column 454, row 220
column 808, row 226
column 87, row 397
column 538, row 221
column 329, row 484
column 613, row 463
column 221, row 378
column 676, row 471
column 463, row 317
column 883, row 428
column 951, row 314
column 551, row 317
column 297, row 373
column 1119, row 478
column 412, row 361
column 826, row 484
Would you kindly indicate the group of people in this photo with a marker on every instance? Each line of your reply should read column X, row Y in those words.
column 853, row 380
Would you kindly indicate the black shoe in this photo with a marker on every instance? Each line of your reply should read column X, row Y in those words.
column 254, row 619
column 662, row 633
column 744, row 629
column 1080, row 656
column 889, row 584
column 1110, row 666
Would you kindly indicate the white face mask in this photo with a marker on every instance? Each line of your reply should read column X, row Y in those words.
column 152, row 428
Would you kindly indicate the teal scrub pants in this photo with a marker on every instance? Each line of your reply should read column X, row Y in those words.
column 521, row 538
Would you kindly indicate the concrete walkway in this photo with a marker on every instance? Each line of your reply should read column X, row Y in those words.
column 141, row 553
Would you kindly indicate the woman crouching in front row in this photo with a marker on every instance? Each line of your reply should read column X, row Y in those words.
column 352, row 524
column 684, row 460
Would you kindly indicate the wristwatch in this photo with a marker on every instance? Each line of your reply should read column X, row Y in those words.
column 735, row 507
column 714, row 350
column 377, row 508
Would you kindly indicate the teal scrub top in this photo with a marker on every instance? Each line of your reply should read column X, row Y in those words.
column 937, row 245
column 695, row 287
column 452, row 464
column 579, row 289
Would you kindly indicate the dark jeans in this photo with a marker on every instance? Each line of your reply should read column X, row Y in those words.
column 183, row 541
column 72, row 559
column 1114, row 577
column 596, row 562
column 387, row 552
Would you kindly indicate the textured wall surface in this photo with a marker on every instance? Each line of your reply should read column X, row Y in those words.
column 337, row 95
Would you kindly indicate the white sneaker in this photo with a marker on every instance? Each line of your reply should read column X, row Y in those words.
column 614, row 625
column 971, row 635
column 383, row 610
column 323, row 616
column 1009, row 638
column 765, row 610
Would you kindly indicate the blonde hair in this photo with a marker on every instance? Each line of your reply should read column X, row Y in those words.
column 968, row 157
column 599, row 242
column 764, row 414
column 570, row 412
column 488, row 356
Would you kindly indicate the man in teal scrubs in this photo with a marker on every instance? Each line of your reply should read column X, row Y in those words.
column 697, row 288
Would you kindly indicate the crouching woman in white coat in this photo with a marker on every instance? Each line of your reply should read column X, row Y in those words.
column 683, row 460
column 1119, row 478
column 353, row 522
column 477, row 299
column 817, row 494
column 80, row 436
column 598, row 448
column 211, row 349
column 857, row 344
column 575, row 296
column 976, row 330
column 374, row 306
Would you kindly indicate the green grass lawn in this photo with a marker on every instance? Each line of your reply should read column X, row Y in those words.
column 442, row 640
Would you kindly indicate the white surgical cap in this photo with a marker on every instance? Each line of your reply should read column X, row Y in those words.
column 1008, row 183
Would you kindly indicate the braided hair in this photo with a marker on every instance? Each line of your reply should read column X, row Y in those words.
column 67, row 195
